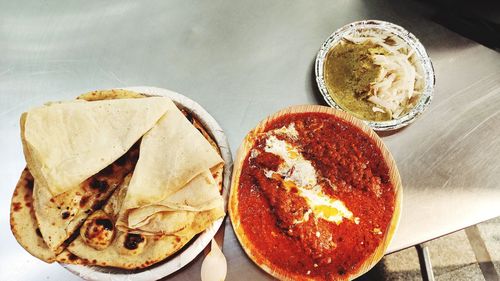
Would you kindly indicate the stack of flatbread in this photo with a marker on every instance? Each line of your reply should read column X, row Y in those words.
column 114, row 178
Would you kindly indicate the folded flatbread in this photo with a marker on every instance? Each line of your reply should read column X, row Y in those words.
column 177, row 211
column 182, row 198
column 23, row 222
column 185, row 182
column 24, row 225
column 105, row 245
column 60, row 215
column 23, row 217
column 66, row 143
column 181, row 151
column 169, row 224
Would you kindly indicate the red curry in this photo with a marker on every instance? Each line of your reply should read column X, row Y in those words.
column 346, row 158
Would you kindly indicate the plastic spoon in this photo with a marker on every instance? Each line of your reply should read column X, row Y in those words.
column 214, row 266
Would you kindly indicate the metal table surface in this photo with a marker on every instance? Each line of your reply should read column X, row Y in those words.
column 243, row 60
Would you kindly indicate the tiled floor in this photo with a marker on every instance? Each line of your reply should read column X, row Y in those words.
column 490, row 231
column 452, row 258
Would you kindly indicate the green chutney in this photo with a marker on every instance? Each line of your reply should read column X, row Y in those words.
column 349, row 70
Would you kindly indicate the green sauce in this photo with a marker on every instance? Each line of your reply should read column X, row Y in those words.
column 349, row 70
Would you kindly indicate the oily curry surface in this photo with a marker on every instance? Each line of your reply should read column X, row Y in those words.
column 315, row 197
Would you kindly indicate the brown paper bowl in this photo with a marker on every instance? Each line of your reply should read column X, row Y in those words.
column 243, row 150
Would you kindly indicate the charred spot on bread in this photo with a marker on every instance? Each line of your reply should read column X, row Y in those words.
column 98, row 230
column 65, row 215
column 72, row 257
column 99, row 184
column 30, row 183
column 106, row 223
column 132, row 241
column 68, row 241
column 84, row 200
column 16, row 206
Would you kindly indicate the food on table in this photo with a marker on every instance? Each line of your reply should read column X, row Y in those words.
column 23, row 221
column 315, row 195
column 114, row 179
column 374, row 75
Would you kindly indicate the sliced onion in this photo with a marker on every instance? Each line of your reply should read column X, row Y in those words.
column 399, row 79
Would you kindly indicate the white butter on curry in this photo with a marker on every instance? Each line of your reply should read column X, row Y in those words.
column 299, row 173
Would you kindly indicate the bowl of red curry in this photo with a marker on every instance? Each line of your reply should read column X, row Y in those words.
column 315, row 195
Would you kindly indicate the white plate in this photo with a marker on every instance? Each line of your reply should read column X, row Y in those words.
column 193, row 248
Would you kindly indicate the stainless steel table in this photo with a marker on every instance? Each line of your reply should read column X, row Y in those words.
column 243, row 60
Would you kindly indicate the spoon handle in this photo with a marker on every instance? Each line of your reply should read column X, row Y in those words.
column 219, row 238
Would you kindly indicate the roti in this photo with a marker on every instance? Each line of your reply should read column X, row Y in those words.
column 105, row 245
column 60, row 216
column 23, row 221
column 67, row 142
column 319, row 187
column 45, row 224
column 181, row 163
column 142, row 247
column 178, row 210
column 163, row 200
column 24, row 225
